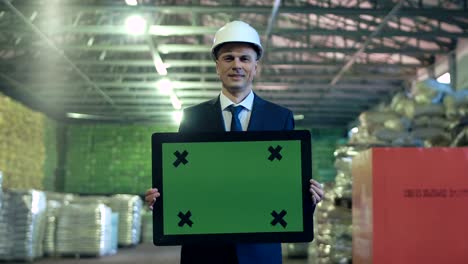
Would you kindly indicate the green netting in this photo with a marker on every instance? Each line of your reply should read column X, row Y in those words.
column 108, row 159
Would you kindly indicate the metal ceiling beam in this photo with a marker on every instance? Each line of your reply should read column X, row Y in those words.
column 168, row 111
column 432, row 12
column 139, row 107
column 306, row 94
column 363, row 47
column 330, row 64
column 317, row 75
column 433, row 38
column 210, row 63
column 70, row 101
column 166, row 31
column 52, row 45
column 189, row 48
column 271, row 22
column 157, row 60
column 169, row 121
column 23, row 93
column 207, row 86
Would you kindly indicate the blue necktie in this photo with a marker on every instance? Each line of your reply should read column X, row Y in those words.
column 235, row 121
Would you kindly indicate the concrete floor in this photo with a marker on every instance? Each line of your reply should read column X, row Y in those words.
column 141, row 254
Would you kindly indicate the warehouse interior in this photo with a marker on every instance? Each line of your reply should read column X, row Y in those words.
column 85, row 83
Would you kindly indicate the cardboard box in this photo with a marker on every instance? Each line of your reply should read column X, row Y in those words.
column 410, row 205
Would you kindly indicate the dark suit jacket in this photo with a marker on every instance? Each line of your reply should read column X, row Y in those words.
column 207, row 117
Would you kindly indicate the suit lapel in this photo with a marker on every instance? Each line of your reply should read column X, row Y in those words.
column 258, row 115
column 215, row 116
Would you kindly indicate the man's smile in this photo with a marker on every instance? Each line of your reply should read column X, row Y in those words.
column 236, row 76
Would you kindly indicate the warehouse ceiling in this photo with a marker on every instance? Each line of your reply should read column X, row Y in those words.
column 327, row 60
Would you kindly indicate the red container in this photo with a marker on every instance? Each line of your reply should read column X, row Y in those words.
column 410, row 205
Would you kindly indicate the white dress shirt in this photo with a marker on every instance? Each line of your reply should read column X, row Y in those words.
column 244, row 115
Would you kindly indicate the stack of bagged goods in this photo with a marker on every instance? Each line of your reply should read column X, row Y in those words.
column 111, row 227
column 114, row 234
column 343, row 180
column 84, row 230
column 53, row 209
column 456, row 110
column 55, row 201
column 22, row 150
column 434, row 110
column 460, row 133
column 146, row 226
column 430, row 124
column 382, row 127
column 87, row 199
column 129, row 208
column 333, row 230
column 22, row 225
column 1, row 190
column 342, row 193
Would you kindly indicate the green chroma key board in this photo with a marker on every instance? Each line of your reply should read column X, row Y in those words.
column 232, row 187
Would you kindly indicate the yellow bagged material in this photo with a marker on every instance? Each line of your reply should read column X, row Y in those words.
column 423, row 93
column 430, row 91
column 432, row 136
column 372, row 118
column 431, row 121
column 1, row 190
column 22, row 151
column 395, row 124
column 429, row 110
column 450, row 107
column 403, row 105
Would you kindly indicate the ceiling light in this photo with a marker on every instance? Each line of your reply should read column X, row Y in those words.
column 165, row 86
column 136, row 25
column 33, row 16
column 91, row 117
column 86, row 116
column 176, row 103
column 131, row 2
column 177, row 116
column 444, row 78
column 75, row 115
column 354, row 130
column 102, row 56
column 298, row 117
column 160, row 67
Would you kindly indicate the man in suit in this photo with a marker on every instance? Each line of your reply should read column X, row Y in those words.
column 236, row 50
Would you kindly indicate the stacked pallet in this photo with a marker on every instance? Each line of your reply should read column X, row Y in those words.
column 22, row 225
column 84, row 230
column 129, row 209
column 147, row 226
column 55, row 202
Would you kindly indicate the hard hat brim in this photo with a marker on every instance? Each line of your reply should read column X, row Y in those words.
column 215, row 49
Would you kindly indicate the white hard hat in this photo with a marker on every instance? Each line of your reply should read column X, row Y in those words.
column 237, row 31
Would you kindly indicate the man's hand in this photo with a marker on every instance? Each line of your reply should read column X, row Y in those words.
column 316, row 189
column 150, row 197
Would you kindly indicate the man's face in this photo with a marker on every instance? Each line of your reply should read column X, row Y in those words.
column 236, row 66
